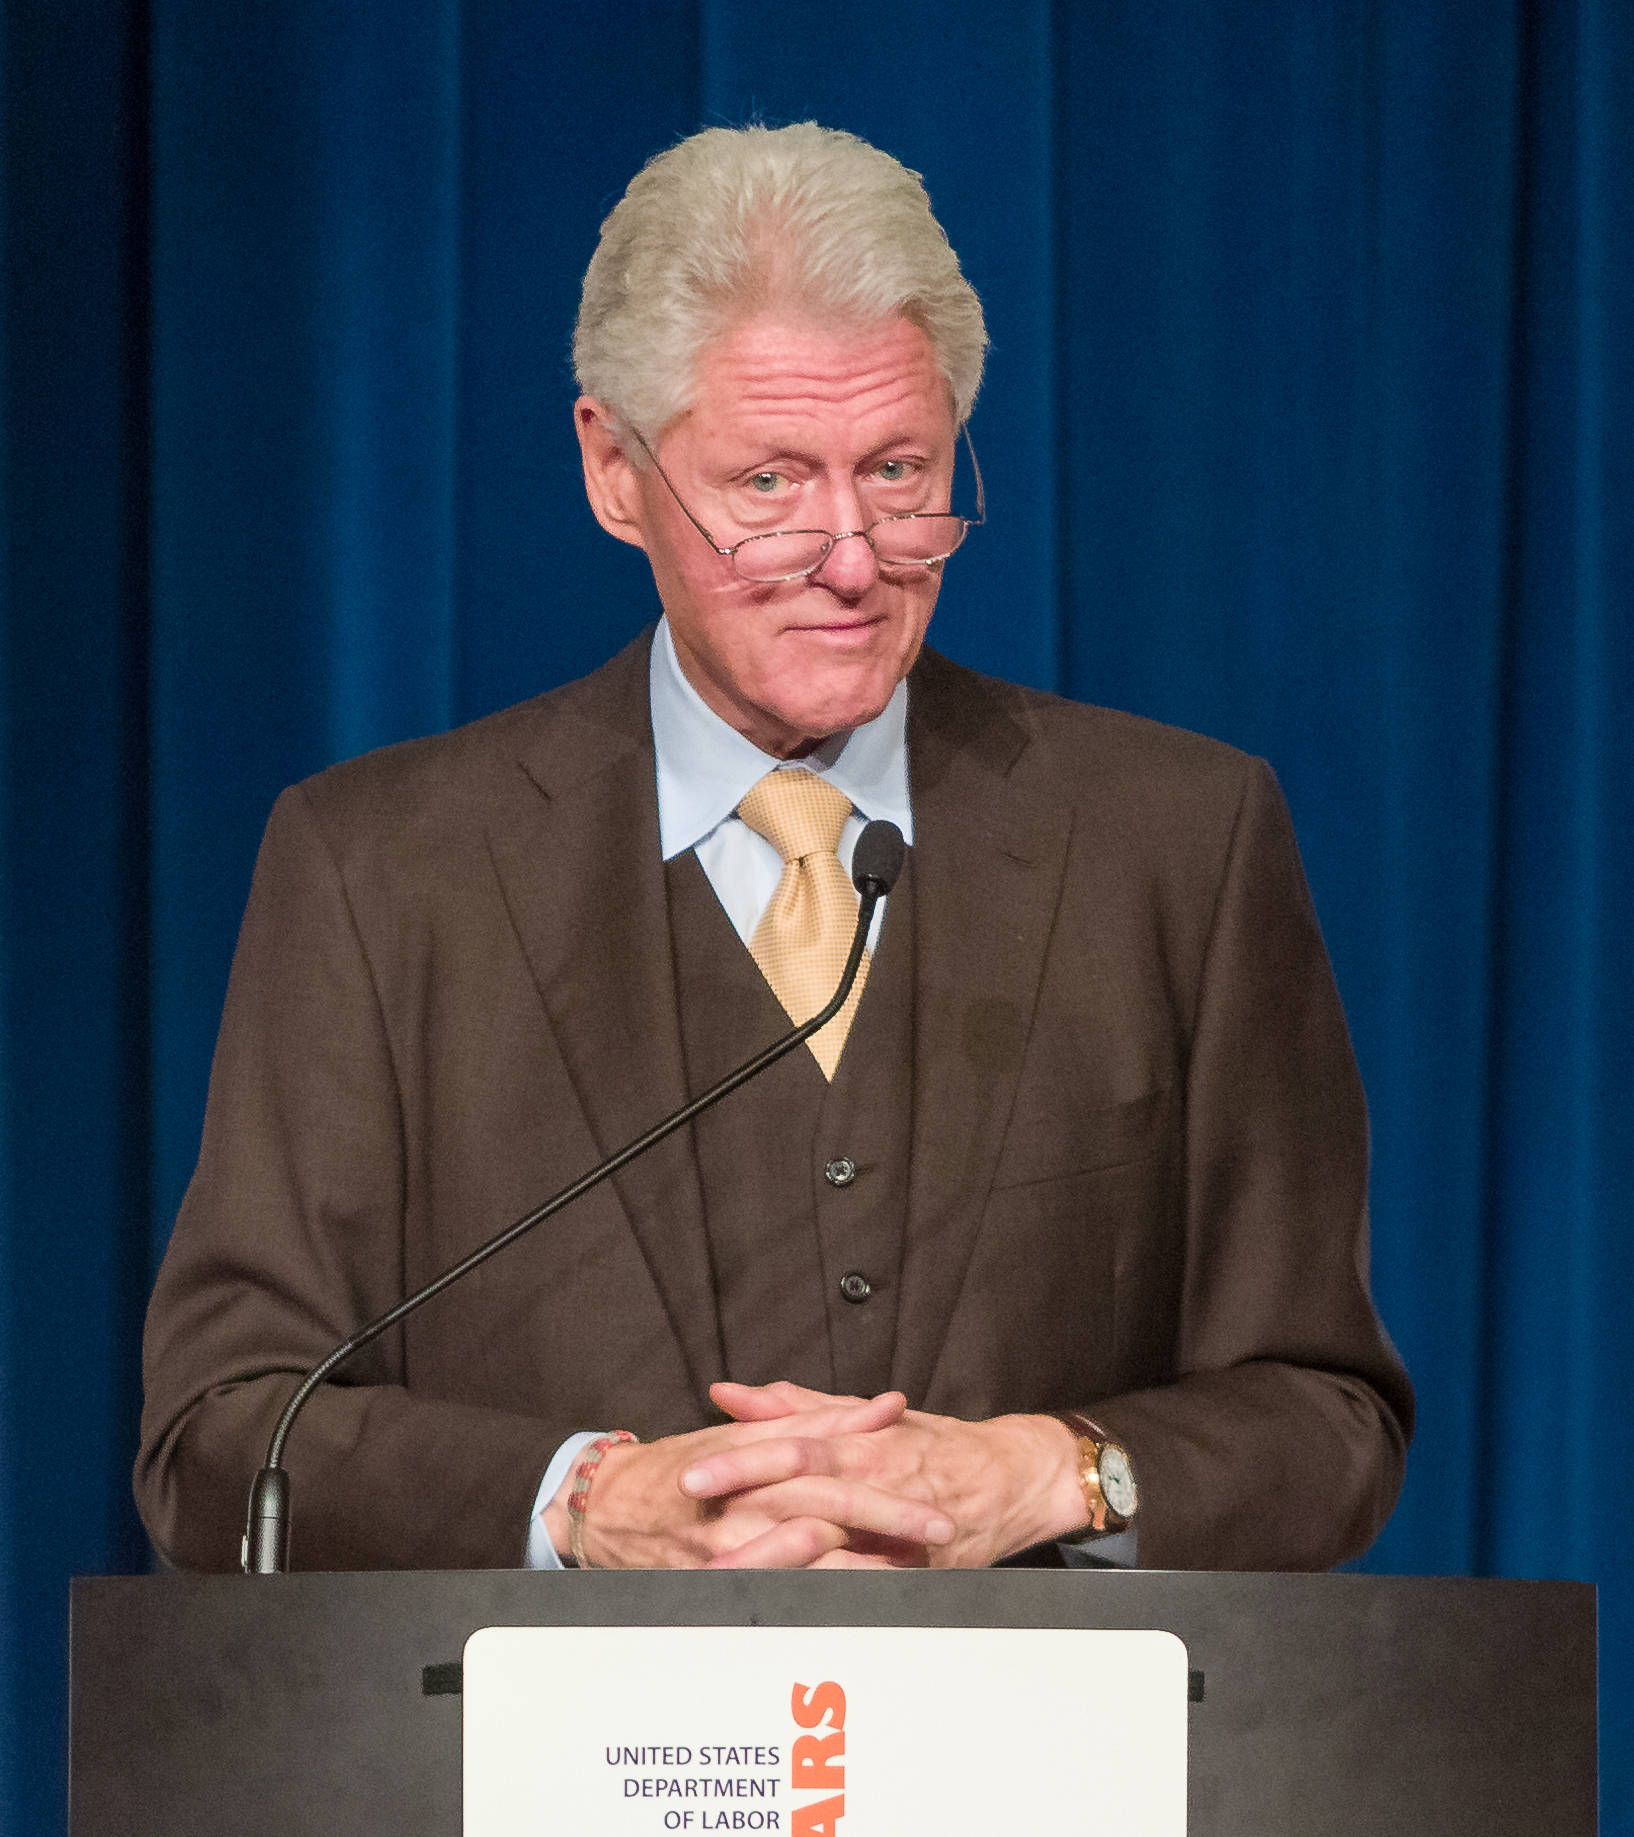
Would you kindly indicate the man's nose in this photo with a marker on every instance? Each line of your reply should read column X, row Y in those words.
column 850, row 567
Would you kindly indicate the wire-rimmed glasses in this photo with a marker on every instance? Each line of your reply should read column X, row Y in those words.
column 915, row 538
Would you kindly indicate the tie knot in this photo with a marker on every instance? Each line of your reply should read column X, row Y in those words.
column 799, row 813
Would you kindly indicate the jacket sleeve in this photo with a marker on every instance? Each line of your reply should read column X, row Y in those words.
column 291, row 1236
column 1280, row 1442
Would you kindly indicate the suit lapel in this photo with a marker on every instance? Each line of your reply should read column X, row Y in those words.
column 580, row 870
column 989, row 852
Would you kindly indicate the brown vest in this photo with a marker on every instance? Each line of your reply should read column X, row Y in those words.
column 805, row 1183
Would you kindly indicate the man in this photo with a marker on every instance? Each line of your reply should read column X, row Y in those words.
column 1090, row 1142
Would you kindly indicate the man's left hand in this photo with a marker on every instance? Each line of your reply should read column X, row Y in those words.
column 1006, row 1483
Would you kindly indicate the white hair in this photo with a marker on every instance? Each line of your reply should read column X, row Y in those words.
column 734, row 222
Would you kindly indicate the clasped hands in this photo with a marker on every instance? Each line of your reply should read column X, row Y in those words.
column 801, row 1479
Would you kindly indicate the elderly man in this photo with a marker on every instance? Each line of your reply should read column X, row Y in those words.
column 1058, row 1230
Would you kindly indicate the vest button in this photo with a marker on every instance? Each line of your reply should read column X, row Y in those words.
column 855, row 1286
column 841, row 1171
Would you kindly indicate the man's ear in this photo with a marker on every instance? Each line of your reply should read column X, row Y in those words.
column 610, row 481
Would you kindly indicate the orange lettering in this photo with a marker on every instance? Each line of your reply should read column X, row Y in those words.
column 812, row 1708
column 816, row 1759
column 821, row 1819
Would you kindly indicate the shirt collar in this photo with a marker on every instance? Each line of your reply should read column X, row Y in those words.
column 706, row 767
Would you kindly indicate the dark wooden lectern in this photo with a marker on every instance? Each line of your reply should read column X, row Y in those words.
column 1324, row 1706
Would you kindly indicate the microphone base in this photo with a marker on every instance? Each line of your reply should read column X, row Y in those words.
column 266, row 1538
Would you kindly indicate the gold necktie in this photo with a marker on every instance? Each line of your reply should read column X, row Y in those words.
column 804, row 934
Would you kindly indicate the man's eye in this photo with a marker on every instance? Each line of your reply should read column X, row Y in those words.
column 765, row 482
column 895, row 472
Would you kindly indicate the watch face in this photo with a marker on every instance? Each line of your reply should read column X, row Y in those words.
column 1117, row 1480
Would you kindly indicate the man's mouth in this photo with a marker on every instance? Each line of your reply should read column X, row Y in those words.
column 840, row 624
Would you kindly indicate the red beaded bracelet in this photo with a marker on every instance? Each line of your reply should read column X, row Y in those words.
column 579, row 1494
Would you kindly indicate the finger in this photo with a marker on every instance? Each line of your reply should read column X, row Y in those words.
column 837, row 1415
column 788, row 1445
column 861, row 1510
column 764, row 1402
column 859, row 1559
column 814, row 1542
column 757, row 1463
column 893, row 1552
column 796, row 1543
column 861, row 1417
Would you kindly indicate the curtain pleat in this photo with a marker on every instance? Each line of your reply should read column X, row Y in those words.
column 1307, row 424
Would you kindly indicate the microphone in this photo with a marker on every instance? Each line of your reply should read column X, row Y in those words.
column 877, row 860
column 875, row 864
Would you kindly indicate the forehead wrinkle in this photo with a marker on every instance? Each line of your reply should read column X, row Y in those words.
column 796, row 400
column 754, row 370
column 796, row 396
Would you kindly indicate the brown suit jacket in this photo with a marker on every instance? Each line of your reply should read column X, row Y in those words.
column 1139, row 1144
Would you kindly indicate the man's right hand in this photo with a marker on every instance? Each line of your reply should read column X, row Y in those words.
column 639, row 1517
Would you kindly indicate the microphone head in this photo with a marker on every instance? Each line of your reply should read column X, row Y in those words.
column 878, row 858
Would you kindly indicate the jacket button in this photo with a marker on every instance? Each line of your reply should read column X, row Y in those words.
column 855, row 1286
column 841, row 1171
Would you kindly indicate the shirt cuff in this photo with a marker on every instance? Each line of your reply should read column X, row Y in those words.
column 541, row 1552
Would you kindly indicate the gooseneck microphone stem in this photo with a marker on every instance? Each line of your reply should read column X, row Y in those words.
column 876, row 863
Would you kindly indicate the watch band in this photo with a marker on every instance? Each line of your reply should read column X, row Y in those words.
column 1093, row 1441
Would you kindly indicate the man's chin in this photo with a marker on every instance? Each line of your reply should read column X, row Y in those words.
column 810, row 720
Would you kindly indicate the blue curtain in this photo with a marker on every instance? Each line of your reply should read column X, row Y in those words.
column 1308, row 424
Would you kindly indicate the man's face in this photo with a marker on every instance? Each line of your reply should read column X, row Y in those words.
column 794, row 426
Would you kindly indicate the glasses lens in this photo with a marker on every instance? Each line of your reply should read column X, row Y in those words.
column 783, row 556
column 910, row 541
column 917, row 539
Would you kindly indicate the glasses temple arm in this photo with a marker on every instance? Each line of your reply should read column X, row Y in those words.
column 677, row 496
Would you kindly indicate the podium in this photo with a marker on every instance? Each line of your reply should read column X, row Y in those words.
column 1321, row 1706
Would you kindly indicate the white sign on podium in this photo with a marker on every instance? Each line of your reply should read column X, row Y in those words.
column 824, row 1731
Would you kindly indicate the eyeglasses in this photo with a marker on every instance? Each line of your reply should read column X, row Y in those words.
column 916, row 539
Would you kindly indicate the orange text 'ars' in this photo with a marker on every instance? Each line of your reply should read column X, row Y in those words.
column 818, row 1758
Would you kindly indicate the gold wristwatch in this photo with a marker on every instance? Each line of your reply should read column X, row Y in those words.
column 1104, row 1472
